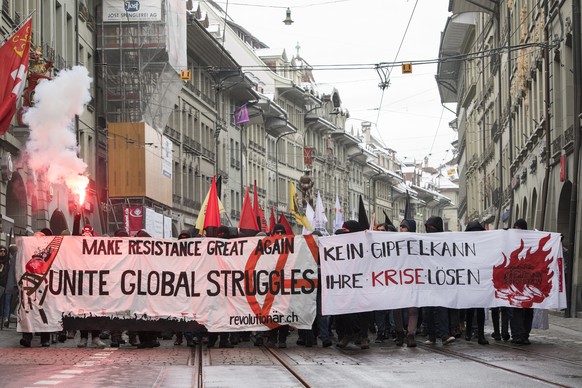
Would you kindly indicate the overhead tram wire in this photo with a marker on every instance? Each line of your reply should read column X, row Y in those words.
column 285, row 7
column 436, row 132
column 382, row 65
column 386, row 81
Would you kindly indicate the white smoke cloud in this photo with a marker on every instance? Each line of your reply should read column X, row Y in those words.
column 52, row 146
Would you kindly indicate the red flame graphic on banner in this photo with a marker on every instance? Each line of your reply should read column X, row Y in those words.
column 524, row 281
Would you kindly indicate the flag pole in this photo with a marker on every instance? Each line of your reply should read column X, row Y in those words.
column 18, row 27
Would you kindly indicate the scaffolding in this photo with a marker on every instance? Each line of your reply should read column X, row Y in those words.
column 138, row 69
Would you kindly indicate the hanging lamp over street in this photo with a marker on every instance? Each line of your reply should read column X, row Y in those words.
column 288, row 21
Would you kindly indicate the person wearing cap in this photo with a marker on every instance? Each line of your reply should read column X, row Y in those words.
column 475, row 226
column 522, row 317
column 436, row 317
column 279, row 229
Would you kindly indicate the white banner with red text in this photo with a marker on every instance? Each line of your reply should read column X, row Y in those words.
column 240, row 284
column 370, row 271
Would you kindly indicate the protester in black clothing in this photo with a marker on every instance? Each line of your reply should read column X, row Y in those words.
column 116, row 338
column 407, row 225
column 353, row 327
column 522, row 318
column 87, row 231
column 475, row 226
column 436, row 318
column 223, row 232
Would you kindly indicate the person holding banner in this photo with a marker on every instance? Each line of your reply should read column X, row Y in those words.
column 95, row 340
column 407, row 225
column 522, row 317
column 116, row 339
column 354, row 326
column 45, row 337
column 223, row 231
column 475, row 226
column 278, row 336
column 437, row 318
column 382, row 317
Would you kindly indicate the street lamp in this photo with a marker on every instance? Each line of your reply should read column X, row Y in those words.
column 288, row 20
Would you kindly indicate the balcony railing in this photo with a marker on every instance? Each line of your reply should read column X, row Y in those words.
column 557, row 145
column 568, row 136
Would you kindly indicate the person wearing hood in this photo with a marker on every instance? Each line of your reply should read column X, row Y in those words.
column 353, row 327
column 407, row 225
column 475, row 226
column 437, row 317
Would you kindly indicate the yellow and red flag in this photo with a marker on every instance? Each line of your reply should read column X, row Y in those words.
column 295, row 209
column 210, row 201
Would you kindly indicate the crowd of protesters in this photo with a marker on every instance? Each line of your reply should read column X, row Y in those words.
column 402, row 326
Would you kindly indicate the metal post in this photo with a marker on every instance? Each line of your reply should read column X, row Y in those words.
column 547, row 108
column 509, row 120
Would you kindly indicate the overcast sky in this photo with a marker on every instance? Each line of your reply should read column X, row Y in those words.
column 341, row 32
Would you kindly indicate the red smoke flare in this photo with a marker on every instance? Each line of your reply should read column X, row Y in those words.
column 524, row 281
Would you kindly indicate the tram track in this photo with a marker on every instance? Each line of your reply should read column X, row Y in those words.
column 449, row 351
column 528, row 350
column 202, row 358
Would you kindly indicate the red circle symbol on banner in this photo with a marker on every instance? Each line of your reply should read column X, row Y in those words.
column 251, row 266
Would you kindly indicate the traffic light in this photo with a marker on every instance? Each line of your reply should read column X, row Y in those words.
column 407, row 68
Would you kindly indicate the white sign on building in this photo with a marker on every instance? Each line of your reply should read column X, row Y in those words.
column 132, row 10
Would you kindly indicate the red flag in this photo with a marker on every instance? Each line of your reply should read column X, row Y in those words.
column 248, row 221
column 212, row 218
column 272, row 220
column 283, row 221
column 14, row 56
column 132, row 219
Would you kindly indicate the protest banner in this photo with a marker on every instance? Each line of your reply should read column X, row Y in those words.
column 240, row 284
column 370, row 271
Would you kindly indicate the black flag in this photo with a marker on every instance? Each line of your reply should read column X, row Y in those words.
column 362, row 216
column 387, row 219
column 219, row 186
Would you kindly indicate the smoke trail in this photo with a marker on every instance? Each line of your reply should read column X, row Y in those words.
column 52, row 146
